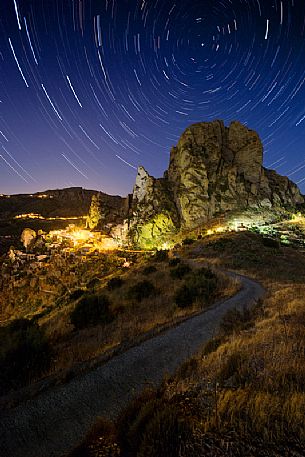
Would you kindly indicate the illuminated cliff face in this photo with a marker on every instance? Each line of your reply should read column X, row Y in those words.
column 214, row 170
column 155, row 233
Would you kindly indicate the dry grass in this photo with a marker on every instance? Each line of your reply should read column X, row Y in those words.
column 133, row 318
column 244, row 393
column 254, row 381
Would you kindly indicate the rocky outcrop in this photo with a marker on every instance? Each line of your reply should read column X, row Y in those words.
column 213, row 170
column 153, row 214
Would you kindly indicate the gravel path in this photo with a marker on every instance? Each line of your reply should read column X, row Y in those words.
column 52, row 423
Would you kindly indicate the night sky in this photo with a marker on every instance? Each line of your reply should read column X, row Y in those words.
column 90, row 89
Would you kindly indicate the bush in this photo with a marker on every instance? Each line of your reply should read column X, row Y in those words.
column 141, row 290
column 150, row 427
column 93, row 283
column 211, row 346
column 174, row 262
column 204, row 283
column 236, row 367
column 91, row 310
column 101, row 441
column 184, row 296
column 76, row 294
column 129, row 416
column 271, row 243
column 149, row 270
column 24, row 353
column 188, row 241
column 161, row 256
column 235, row 320
column 115, row 283
column 180, row 271
column 166, row 434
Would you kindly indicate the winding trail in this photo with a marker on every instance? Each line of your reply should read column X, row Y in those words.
column 54, row 422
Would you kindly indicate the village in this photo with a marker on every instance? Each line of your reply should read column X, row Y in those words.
column 53, row 265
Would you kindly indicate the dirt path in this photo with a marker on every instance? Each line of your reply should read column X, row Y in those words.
column 52, row 423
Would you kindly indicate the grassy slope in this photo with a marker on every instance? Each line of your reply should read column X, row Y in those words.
column 244, row 394
column 132, row 318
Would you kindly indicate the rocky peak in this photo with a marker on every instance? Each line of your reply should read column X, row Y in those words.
column 143, row 184
column 213, row 170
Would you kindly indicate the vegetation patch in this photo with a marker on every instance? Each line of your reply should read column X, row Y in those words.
column 188, row 241
column 161, row 255
column 76, row 294
column 24, row 353
column 91, row 310
column 211, row 346
column 141, row 290
column 115, row 283
column 174, row 262
column 150, row 269
column 180, row 271
column 185, row 296
column 149, row 427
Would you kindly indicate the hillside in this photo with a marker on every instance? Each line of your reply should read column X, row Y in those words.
column 70, row 202
column 243, row 393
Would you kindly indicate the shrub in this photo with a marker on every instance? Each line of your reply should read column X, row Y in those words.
column 138, row 426
column 174, row 262
column 237, row 367
column 93, row 283
column 149, row 426
column 76, row 294
column 101, row 441
column 211, row 346
column 128, row 417
column 188, row 368
column 141, row 290
column 204, row 283
column 188, row 241
column 91, row 310
column 184, row 296
column 180, row 271
column 271, row 243
column 166, row 434
column 24, row 353
column 149, row 270
column 115, row 283
column 161, row 256
column 235, row 320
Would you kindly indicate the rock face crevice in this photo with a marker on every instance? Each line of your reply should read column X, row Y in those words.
column 213, row 170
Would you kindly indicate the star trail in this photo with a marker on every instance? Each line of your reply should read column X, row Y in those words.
column 91, row 89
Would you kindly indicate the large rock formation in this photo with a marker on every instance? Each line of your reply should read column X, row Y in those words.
column 213, row 170
column 154, row 215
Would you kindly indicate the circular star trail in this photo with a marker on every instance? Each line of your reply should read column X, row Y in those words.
column 90, row 89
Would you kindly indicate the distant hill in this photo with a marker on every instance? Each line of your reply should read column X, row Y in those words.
column 57, row 209
column 69, row 202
